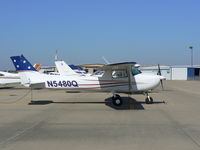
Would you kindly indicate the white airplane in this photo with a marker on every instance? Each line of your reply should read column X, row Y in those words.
column 8, row 78
column 117, row 78
column 66, row 70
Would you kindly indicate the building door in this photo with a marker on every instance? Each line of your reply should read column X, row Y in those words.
column 196, row 74
column 191, row 73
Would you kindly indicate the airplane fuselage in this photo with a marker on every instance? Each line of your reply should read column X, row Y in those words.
column 140, row 82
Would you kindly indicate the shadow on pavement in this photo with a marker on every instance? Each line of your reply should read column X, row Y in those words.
column 46, row 102
column 129, row 103
column 4, row 88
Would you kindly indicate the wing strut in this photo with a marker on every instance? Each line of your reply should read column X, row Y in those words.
column 129, row 78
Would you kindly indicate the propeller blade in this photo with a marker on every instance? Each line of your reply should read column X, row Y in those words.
column 161, row 82
column 159, row 71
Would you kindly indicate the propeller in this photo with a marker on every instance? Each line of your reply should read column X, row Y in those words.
column 159, row 73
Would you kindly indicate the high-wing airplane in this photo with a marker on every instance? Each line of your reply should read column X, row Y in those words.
column 117, row 78
column 8, row 78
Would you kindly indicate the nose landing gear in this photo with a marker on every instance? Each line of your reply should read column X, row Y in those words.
column 148, row 100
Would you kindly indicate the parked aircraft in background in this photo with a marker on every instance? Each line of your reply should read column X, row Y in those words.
column 117, row 78
column 68, row 70
column 64, row 69
column 78, row 70
column 37, row 66
column 8, row 78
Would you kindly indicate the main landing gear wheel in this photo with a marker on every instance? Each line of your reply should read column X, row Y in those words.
column 149, row 100
column 117, row 100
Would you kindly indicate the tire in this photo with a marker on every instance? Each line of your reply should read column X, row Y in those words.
column 149, row 100
column 117, row 100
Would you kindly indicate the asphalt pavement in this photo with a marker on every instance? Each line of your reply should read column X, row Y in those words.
column 78, row 121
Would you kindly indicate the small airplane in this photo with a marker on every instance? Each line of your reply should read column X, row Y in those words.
column 9, row 78
column 117, row 78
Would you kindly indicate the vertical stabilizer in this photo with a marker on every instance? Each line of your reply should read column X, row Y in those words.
column 64, row 69
column 28, row 74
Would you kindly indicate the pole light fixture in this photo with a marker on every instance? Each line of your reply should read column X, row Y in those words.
column 191, row 48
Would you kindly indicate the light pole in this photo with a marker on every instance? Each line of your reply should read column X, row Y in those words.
column 191, row 48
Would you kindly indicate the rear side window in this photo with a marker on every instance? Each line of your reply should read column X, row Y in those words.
column 119, row 74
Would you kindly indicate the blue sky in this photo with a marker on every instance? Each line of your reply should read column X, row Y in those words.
column 149, row 32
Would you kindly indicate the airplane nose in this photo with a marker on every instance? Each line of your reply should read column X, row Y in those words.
column 162, row 78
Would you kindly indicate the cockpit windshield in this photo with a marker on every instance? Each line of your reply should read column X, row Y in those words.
column 135, row 71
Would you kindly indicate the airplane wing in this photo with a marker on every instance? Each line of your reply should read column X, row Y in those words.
column 119, row 66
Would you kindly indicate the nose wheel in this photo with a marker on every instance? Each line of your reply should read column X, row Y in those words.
column 148, row 100
column 117, row 100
